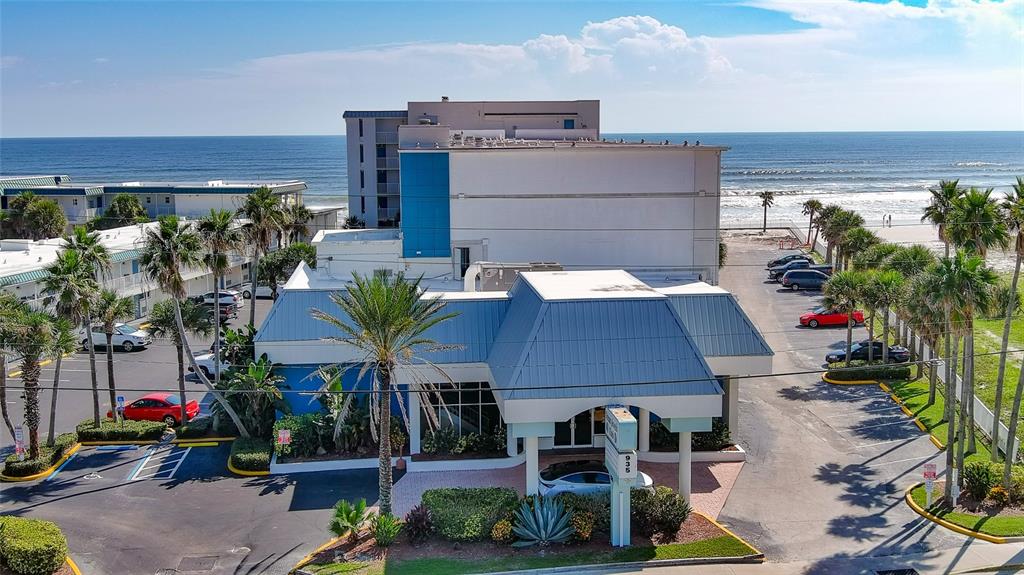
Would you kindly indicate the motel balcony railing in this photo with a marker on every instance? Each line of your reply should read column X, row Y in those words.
column 387, row 137
column 388, row 189
column 387, row 163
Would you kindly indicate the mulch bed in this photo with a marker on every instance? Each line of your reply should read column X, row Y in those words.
column 969, row 505
column 64, row 570
column 695, row 528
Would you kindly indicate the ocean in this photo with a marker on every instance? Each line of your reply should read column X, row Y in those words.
column 875, row 173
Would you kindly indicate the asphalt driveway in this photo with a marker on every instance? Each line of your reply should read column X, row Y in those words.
column 170, row 509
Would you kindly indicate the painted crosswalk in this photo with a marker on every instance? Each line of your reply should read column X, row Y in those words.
column 160, row 462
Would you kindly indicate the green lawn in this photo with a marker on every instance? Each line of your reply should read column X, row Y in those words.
column 999, row 526
column 914, row 395
column 724, row 546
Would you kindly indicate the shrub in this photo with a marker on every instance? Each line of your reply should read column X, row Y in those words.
column 860, row 370
column 443, row 441
column 543, row 523
column 661, row 437
column 398, row 438
column 502, row 531
column 251, row 454
column 659, row 511
column 979, row 478
column 385, row 529
column 712, row 440
column 305, row 434
column 48, row 456
column 124, row 430
column 999, row 495
column 198, row 427
column 419, row 524
column 349, row 518
column 597, row 505
column 32, row 546
column 468, row 514
column 583, row 524
column 1017, row 485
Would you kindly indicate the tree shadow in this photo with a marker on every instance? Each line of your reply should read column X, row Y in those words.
column 889, row 427
column 857, row 527
column 836, row 474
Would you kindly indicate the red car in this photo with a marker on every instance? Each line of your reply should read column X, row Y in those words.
column 822, row 316
column 164, row 407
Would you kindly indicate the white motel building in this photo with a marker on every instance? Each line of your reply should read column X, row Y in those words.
column 581, row 271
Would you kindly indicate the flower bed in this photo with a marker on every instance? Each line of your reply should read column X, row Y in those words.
column 991, row 519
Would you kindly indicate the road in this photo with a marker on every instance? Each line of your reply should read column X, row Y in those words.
column 151, row 368
column 827, row 465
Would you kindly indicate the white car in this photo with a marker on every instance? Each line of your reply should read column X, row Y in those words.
column 227, row 297
column 261, row 291
column 586, row 476
column 205, row 362
column 126, row 337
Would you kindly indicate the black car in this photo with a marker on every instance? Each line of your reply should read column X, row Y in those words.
column 779, row 271
column 788, row 258
column 897, row 353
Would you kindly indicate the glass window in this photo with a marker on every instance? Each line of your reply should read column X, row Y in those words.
column 125, row 329
column 470, row 405
column 360, row 127
column 173, row 400
column 361, row 159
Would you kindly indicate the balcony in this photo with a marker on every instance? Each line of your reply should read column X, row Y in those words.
column 126, row 284
column 388, row 189
column 387, row 137
column 387, row 163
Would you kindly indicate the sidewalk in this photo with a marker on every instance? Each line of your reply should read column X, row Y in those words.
column 973, row 555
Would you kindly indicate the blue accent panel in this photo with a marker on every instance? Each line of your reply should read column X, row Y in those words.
column 568, row 124
column 426, row 218
column 534, row 429
column 677, row 424
column 719, row 326
column 304, row 378
column 135, row 266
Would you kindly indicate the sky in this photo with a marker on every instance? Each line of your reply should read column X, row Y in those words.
column 249, row 68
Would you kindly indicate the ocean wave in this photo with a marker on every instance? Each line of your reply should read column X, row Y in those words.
column 975, row 164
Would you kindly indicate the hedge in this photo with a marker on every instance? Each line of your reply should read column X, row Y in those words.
column 251, row 454
column 126, row 430
column 839, row 371
column 469, row 513
column 31, row 546
column 48, row 456
column 198, row 427
column 305, row 434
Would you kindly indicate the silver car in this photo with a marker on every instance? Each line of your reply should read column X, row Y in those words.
column 126, row 337
column 585, row 476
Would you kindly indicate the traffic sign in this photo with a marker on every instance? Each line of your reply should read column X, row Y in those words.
column 284, row 436
column 19, row 442
column 929, row 471
column 120, row 401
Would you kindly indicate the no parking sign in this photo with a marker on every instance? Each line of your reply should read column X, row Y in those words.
column 284, row 436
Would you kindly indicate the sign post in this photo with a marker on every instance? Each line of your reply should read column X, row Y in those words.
column 284, row 436
column 620, row 459
column 119, row 410
column 929, row 482
column 19, row 442
column 956, row 485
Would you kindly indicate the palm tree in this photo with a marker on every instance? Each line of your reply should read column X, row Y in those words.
column 942, row 287
column 937, row 212
column 811, row 207
column 836, row 226
column 841, row 293
column 221, row 237
column 876, row 256
column 855, row 241
column 767, row 201
column 111, row 309
column 297, row 218
column 170, row 247
column 266, row 217
column 72, row 286
column 96, row 257
column 10, row 308
column 976, row 223
column 162, row 323
column 258, row 387
column 925, row 315
column 890, row 290
column 871, row 299
column 1013, row 215
column 825, row 215
column 64, row 342
column 386, row 320
column 33, row 339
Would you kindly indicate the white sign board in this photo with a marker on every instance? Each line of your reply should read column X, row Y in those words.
column 19, row 442
column 929, row 471
column 284, row 436
column 621, row 464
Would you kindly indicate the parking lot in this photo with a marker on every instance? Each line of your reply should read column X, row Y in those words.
column 827, row 464
column 155, row 367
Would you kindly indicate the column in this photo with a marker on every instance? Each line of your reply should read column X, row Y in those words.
column 512, row 444
column 644, row 431
column 531, row 445
column 684, row 464
column 414, row 422
column 732, row 393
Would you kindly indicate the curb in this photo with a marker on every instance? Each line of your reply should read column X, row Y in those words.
column 71, row 563
column 827, row 379
column 634, row 565
column 243, row 473
column 46, row 471
column 935, row 440
column 202, row 440
column 729, row 532
column 951, row 526
column 142, row 442
column 305, row 560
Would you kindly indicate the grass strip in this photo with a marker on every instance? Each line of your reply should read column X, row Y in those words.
column 1001, row 526
column 914, row 395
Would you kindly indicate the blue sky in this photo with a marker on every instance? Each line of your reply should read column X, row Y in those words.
column 149, row 68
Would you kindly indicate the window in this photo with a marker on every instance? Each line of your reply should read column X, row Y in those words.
column 463, row 261
column 361, row 158
column 360, row 127
column 470, row 404
column 362, row 179
column 167, row 199
column 568, row 124
column 99, row 202
column 382, row 177
column 74, row 201
column 362, row 204
column 149, row 199
column 92, row 203
column 382, row 202
column 381, row 151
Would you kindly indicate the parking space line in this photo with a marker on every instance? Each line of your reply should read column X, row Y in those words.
column 158, row 470
column 56, row 471
column 902, row 421
column 149, row 453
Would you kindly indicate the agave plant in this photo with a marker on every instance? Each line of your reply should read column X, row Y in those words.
column 545, row 523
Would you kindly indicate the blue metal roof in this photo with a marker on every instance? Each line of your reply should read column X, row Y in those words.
column 375, row 114
column 289, row 318
column 599, row 347
column 718, row 325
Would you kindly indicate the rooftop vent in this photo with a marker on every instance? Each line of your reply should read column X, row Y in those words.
column 215, row 183
column 444, row 98
column 426, row 121
column 132, row 184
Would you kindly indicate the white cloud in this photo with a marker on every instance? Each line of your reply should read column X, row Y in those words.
column 10, row 61
column 100, row 60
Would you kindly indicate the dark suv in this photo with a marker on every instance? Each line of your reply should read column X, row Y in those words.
column 788, row 258
column 897, row 353
column 804, row 279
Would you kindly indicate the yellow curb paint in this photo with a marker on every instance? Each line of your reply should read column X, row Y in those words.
column 46, row 471
column 920, row 425
column 203, row 439
column 904, row 409
column 72, row 565
column 885, row 388
column 144, row 325
column 726, row 529
column 92, row 443
column 201, row 444
column 827, row 379
column 305, row 560
column 898, row 401
column 41, row 364
column 951, row 526
column 236, row 471
column 936, row 442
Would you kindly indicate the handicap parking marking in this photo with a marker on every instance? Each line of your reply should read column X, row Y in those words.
column 160, row 465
